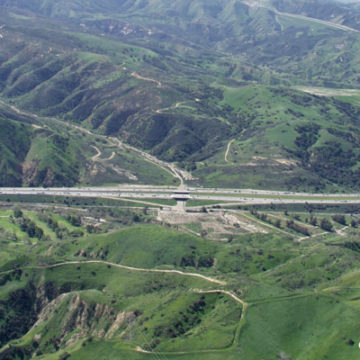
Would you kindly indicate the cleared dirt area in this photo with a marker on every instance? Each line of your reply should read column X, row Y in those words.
column 212, row 225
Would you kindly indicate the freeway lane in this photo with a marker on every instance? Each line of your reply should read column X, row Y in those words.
column 244, row 196
column 171, row 190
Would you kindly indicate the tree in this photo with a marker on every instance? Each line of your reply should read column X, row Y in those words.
column 326, row 225
column 313, row 221
column 39, row 232
column 308, row 207
column 339, row 219
column 31, row 229
column 74, row 220
column 18, row 213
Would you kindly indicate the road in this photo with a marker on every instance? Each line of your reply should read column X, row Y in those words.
column 264, row 5
column 180, row 174
column 241, row 196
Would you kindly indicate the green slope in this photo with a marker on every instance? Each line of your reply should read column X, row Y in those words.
column 181, row 79
column 303, row 305
column 40, row 152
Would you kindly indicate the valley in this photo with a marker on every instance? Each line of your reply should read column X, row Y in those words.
column 179, row 179
column 153, row 88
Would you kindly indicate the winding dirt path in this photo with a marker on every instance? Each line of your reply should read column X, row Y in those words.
column 175, row 106
column 341, row 231
column 96, row 156
column 312, row 236
column 228, row 149
column 236, row 335
column 262, row 223
column 177, row 272
column 99, row 153
column 137, row 76
column 111, row 156
column 170, row 168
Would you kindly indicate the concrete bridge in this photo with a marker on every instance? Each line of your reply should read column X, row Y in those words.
column 181, row 197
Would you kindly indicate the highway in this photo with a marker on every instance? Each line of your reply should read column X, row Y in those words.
column 244, row 196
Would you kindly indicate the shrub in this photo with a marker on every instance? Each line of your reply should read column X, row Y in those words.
column 339, row 219
column 326, row 225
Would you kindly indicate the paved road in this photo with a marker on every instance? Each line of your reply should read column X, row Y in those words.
column 244, row 196
column 265, row 5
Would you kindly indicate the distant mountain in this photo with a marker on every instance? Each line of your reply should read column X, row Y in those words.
column 158, row 74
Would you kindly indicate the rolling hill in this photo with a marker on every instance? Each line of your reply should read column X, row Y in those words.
column 175, row 78
column 137, row 289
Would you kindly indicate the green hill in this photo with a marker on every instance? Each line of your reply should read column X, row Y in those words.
column 149, row 288
column 175, row 78
column 310, row 141
column 38, row 152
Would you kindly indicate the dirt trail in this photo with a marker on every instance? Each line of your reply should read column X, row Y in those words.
column 99, row 153
column 199, row 291
column 176, row 106
column 137, row 76
column 269, row 226
column 341, row 231
column 178, row 272
column 228, row 150
column 170, row 168
column 96, row 157
column 111, row 156
column 225, row 292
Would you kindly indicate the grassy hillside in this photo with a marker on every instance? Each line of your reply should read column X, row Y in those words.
column 115, row 295
column 38, row 152
column 183, row 79
column 311, row 141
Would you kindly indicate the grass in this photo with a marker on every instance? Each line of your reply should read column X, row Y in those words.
column 220, row 94
column 273, row 274
column 193, row 203
column 303, row 298
column 294, row 327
